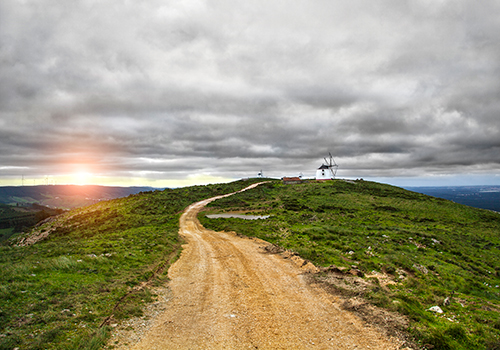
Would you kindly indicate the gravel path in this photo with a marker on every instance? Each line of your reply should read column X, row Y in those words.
column 228, row 293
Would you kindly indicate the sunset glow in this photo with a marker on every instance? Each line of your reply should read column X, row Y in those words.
column 82, row 178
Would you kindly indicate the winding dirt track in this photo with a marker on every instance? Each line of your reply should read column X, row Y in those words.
column 229, row 294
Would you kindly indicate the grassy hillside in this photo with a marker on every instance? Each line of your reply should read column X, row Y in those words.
column 414, row 251
column 64, row 290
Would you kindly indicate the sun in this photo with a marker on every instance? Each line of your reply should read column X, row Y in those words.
column 82, row 178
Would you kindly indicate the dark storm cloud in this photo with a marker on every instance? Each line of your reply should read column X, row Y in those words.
column 391, row 88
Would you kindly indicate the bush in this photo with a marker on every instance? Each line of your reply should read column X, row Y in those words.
column 493, row 345
column 456, row 332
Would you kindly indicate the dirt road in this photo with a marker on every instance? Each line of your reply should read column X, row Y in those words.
column 227, row 293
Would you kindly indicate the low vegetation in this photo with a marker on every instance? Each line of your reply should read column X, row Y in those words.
column 64, row 291
column 415, row 251
column 92, row 266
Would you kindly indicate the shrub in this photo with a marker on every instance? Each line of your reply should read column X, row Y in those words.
column 456, row 332
column 493, row 345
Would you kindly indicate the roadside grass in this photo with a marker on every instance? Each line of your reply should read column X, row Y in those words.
column 431, row 249
column 64, row 291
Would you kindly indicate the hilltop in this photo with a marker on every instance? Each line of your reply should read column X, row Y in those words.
column 65, row 282
column 380, row 245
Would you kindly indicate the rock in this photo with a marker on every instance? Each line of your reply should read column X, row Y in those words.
column 435, row 309
column 309, row 267
column 356, row 272
column 298, row 260
column 336, row 269
column 446, row 301
column 273, row 249
column 421, row 268
column 288, row 254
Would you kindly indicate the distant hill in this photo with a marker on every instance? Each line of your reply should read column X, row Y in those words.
column 64, row 196
column 484, row 197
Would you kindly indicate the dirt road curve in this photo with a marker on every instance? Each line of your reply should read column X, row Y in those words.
column 229, row 294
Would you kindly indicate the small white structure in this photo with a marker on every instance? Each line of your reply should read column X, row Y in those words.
column 323, row 173
column 327, row 170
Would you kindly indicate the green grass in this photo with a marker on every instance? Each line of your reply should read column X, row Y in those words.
column 431, row 247
column 6, row 233
column 58, row 293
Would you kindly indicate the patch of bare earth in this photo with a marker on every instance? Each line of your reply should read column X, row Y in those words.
column 350, row 290
column 229, row 292
column 39, row 232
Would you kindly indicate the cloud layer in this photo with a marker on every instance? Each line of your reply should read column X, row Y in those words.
column 167, row 89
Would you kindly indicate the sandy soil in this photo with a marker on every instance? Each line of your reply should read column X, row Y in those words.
column 227, row 292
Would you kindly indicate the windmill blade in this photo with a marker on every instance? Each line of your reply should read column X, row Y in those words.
column 332, row 161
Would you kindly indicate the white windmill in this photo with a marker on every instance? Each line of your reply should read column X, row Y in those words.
column 327, row 170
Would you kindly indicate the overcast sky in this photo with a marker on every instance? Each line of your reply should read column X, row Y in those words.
column 166, row 92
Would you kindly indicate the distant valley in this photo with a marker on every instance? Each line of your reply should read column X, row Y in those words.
column 22, row 207
column 64, row 196
column 484, row 197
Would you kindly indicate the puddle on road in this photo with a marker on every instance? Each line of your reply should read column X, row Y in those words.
column 237, row 216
